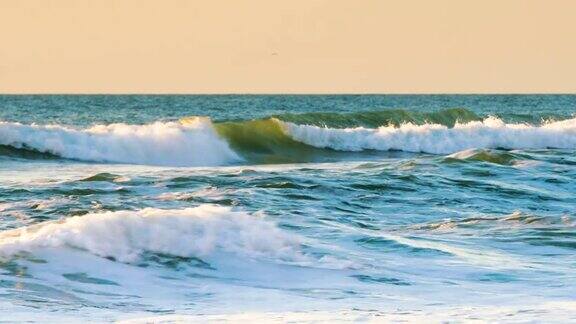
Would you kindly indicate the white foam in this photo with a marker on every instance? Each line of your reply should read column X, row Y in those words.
column 549, row 312
column 126, row 235
column 193, row 142
column 438, row 139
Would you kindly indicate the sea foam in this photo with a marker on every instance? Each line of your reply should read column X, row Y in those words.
column 127, row 235
column 439, row 139
column 193, row 142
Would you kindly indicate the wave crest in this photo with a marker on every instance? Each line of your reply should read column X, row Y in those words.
column 127, row 235
column 396, row 117
column 190, row 143
column 439, row 139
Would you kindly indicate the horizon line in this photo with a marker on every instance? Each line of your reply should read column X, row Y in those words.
column 280, row 93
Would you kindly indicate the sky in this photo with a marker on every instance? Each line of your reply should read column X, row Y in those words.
column 287, row 46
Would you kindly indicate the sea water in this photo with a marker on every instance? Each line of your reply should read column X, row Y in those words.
column 277, row 208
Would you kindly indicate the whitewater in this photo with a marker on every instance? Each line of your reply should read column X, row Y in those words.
column 195, row 141
column 192, row 144
column 137, row 209
column 491, row 133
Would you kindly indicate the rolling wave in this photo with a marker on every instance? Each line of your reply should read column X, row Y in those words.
column 190, row 143
column 439, row 139
column 196, row 141
column 374, row 119
column 127, row 236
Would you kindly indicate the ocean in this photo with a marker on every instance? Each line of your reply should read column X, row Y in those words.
column 274, row 208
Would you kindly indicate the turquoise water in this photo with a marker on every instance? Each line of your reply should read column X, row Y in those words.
column 359, row 207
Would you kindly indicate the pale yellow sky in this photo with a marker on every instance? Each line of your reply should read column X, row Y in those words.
column 289, row 46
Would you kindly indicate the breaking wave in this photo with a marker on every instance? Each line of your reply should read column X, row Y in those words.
column 126, row 236
column 440, row 139
column 196, row 141
column 190, row 143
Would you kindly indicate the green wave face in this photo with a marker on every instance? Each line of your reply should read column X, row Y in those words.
column 485, row 155
column 264, row 141
column 24, row 153
column 373, row 119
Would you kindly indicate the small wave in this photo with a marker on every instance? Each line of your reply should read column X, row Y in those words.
column 513, row 220
column 126, row 236
column 105, row 177
column 192, row 142
column 439, row 139
column 483, row 155
column 22, row 153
